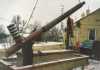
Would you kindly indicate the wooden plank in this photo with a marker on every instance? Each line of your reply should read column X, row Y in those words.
column 63, row 64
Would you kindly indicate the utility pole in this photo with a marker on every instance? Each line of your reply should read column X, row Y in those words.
column 79, row 1
column 62, row 11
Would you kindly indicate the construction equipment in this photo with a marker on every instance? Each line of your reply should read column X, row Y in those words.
column 37, row 34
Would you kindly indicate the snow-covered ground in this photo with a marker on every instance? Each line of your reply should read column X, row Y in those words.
column 47, row 43
column 93, row 65
column 4, row 45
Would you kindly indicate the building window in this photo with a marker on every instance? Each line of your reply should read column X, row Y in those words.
column 92, row 34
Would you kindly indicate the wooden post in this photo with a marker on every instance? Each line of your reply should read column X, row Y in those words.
column 27, row 54
column 67, row 43
column 69, row 32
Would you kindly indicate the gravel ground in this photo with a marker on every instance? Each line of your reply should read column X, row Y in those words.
column 93, row 65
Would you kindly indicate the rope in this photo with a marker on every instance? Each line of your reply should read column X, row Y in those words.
column 30, row 15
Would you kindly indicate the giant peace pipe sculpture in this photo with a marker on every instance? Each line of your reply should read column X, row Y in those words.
column 36, row 35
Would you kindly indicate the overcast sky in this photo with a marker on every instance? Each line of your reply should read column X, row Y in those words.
column 46, row 9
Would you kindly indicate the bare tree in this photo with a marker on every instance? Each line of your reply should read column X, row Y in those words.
column 51, row 35
column 19, row 22
column 3, row 35
column 33, row 27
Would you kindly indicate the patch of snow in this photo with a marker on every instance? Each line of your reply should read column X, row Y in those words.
column 47, row 43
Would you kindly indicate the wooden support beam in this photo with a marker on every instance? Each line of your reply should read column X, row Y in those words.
column 27, row 54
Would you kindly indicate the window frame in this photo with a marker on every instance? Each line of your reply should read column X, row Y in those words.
column 94, row 33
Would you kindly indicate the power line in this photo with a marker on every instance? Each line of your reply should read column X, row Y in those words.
column 32, row 12
column 30, row 15
column 62, row 11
